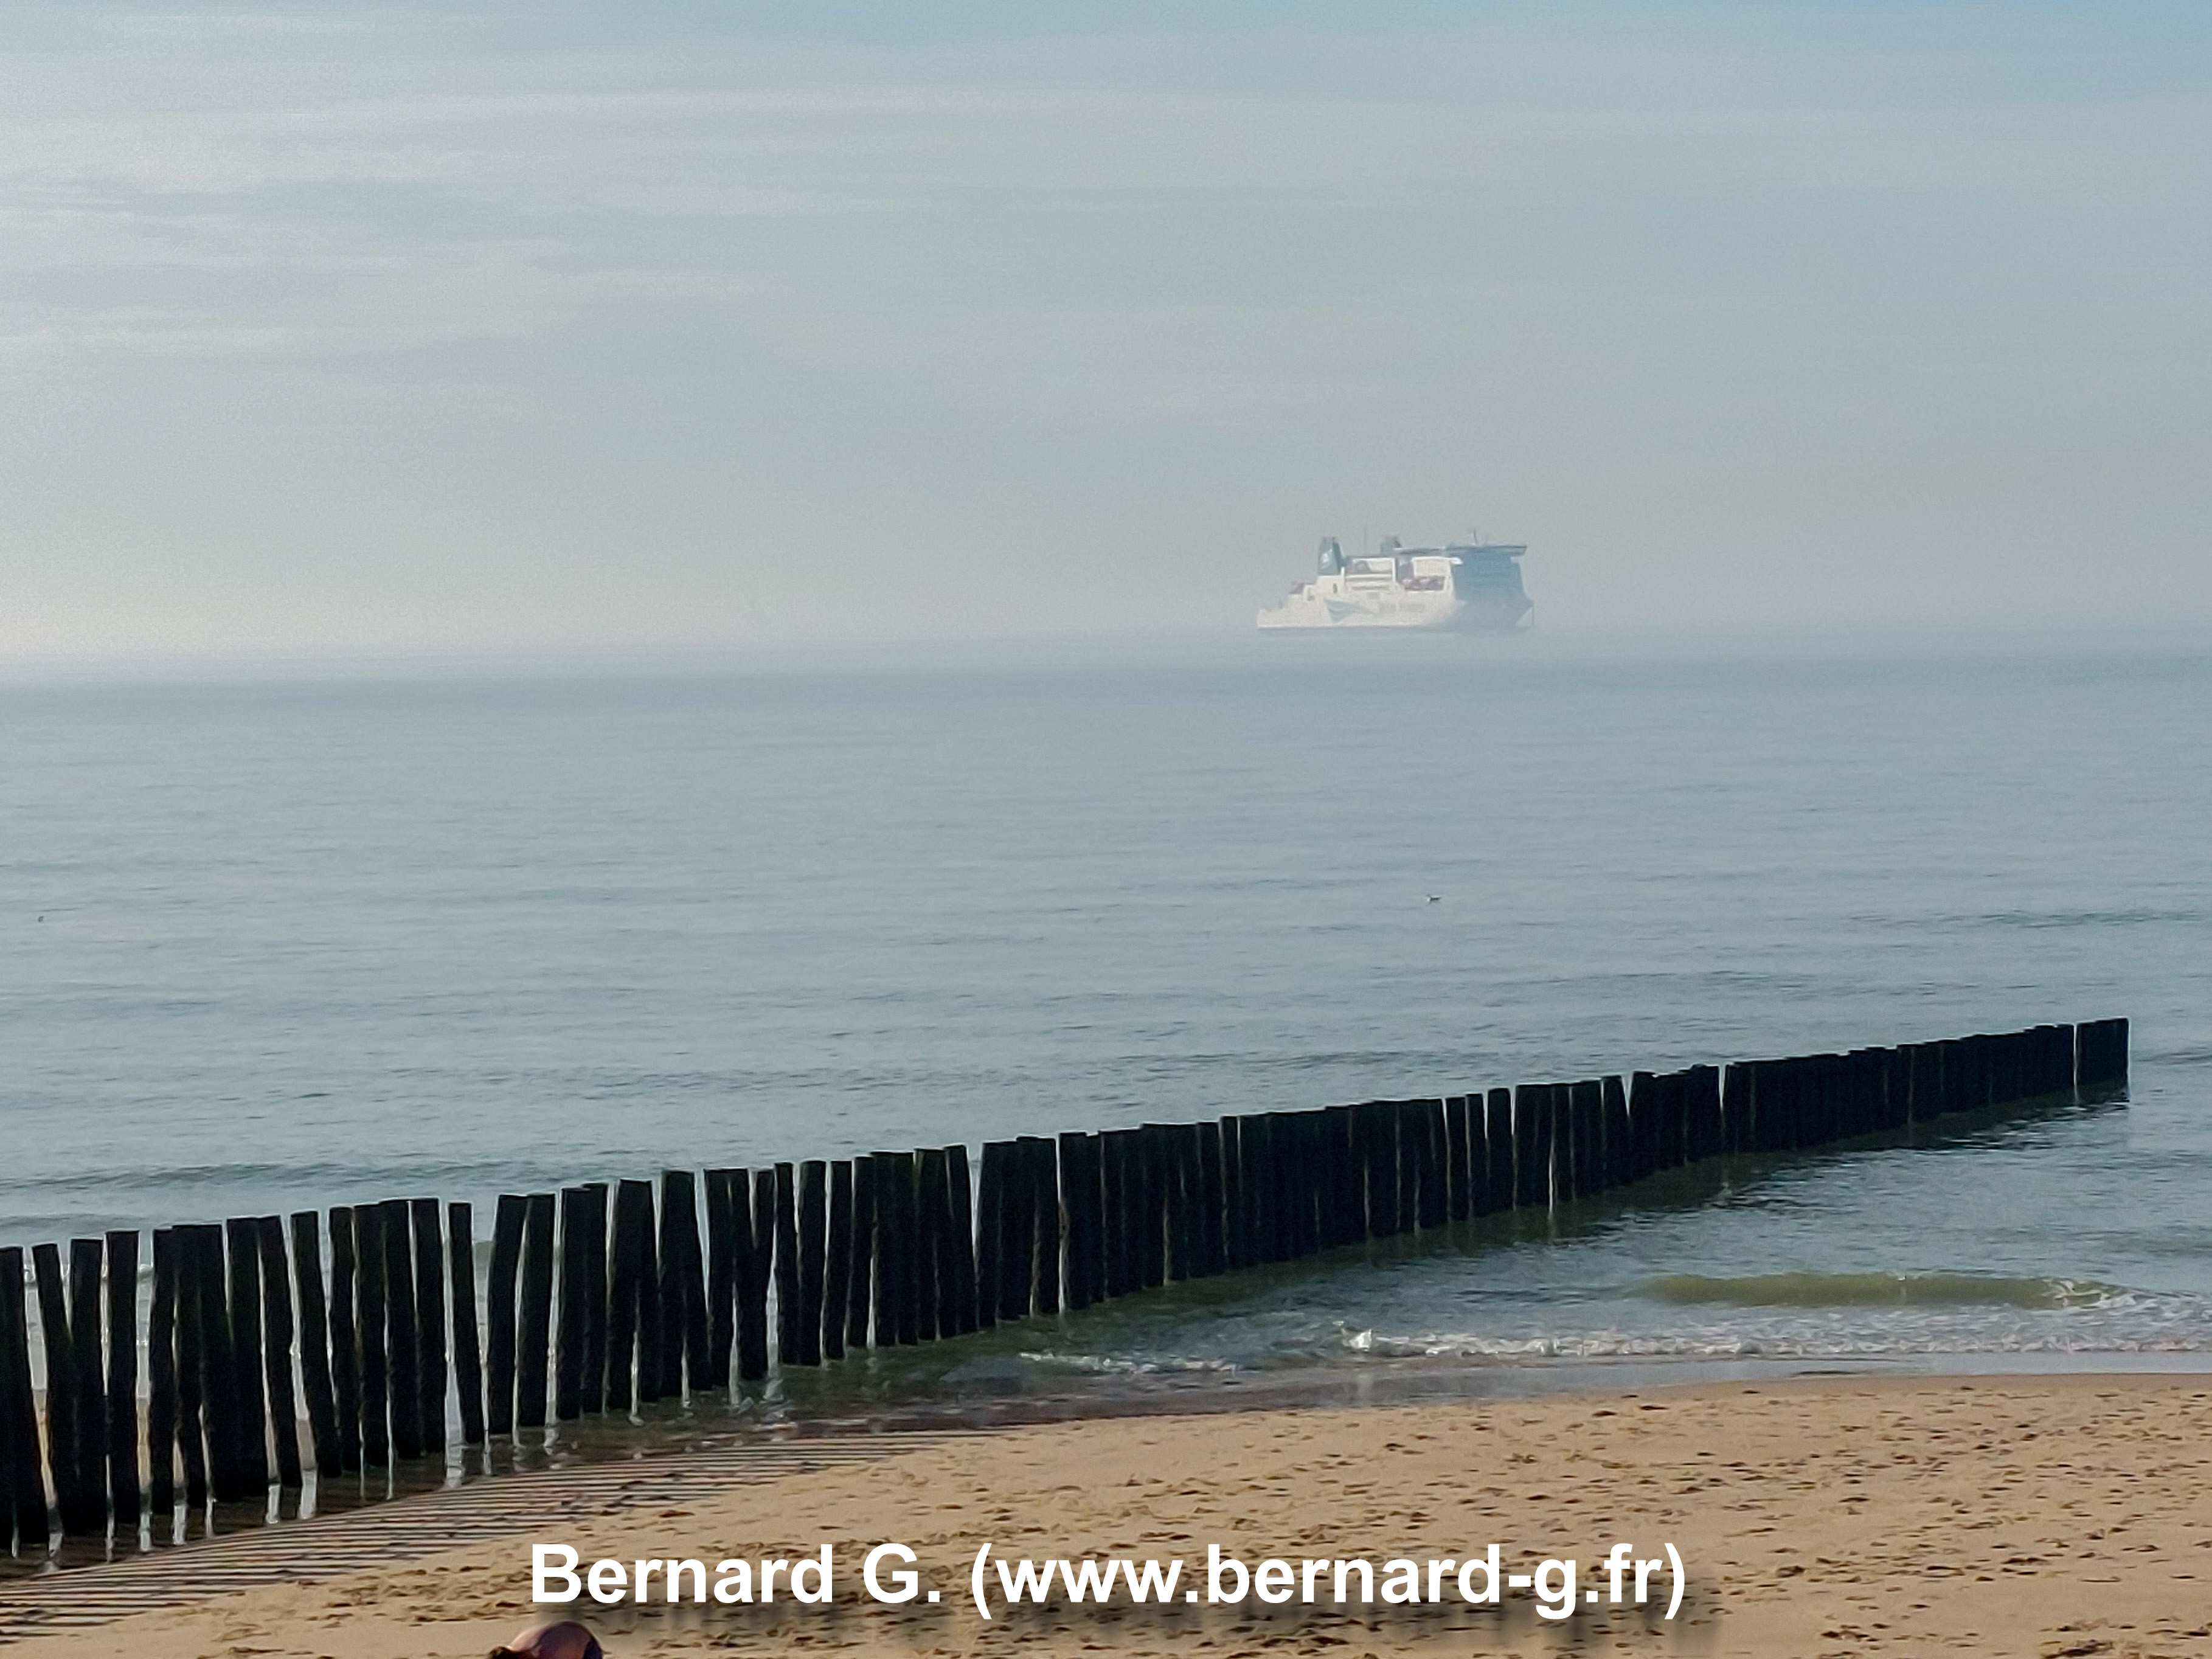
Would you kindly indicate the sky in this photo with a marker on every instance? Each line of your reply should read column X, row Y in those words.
column 365, row 328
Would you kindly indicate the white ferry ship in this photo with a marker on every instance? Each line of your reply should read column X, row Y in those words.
column 1472, row 586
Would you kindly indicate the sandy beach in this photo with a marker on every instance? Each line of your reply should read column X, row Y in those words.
column 2045, row 1517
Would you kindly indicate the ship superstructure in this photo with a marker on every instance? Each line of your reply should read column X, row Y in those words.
column 1473, row 586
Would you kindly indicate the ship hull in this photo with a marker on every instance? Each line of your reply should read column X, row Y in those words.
column 1436, row 612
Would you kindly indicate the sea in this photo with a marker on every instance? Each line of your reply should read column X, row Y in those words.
column 277, row 940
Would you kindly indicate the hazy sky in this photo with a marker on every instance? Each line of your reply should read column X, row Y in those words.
column 353, row 327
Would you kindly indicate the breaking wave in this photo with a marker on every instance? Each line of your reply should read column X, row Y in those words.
column 1811, row 1290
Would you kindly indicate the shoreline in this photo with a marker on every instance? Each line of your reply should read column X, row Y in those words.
column 1997, row 1514
column 1397, row 1382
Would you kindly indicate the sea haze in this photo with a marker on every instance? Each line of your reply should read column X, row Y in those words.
column 272, row 945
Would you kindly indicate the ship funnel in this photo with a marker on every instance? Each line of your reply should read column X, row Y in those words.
column 1332, row 557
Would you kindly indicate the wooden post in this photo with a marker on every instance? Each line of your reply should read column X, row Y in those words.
column 1078, row 1194
column 1236, row 1235
column 25, row 1493
column 1255, row 1182
column 1099, row 1214
column 1647, row 1128
column 1190, row 1232
column 2012, row 1068
column 244, row 1240
column 860, row 1285
column 1174, row 1210
column 1831, row 1081
column 1829, row 1076
column 161, row 1382
column 624, row 1281
column 1477, row 1156
column 624, row 1274
column 1556, row 1128
column 534, row 1336
column 683, row 1283
column 1313, row 1178
column 1437, row 1164
column 633, row 1301
column 1375, row 1151
column 507, row 1220
column 86, row 1255
column 71, row 1500
column 1891, row 1085
column 813, row 1225
column 430, row 1322
column 1298, row 1160
column 1865, row 1065
column 837, row 1259
column 914, row 1263
column 1179, row 1178
column 1747, row 1128
column 315, row 1347
column 1531, row 1176
column 1663, row 1109
column 404, row 1338
column 1372, row 1185
column 569, row 1299
column 1208, row 1236
column 1552, row 1127
column 1593, row 1160
column 195, row 1428
column 786, row 1220
column 1017, row 1233
column 721, row 1274
column 369, row 1325
column 930, row 1219
column 966, row 1314
column 1330, row 1139
column 1044, row 1172
column 1677, row 1098
column 122, row 1406
column 593, row 1397
column 757, row 1246
column 1796, row 1104
column 345, row 1342
column 2101, row 1054
column 1077, row 1154
column 1290, row 1198
column 1735, row 1107
column 1592, row 1175
column 1405, row 1128
column 1613, row 1132
column 1941, row 1077
column 1155, row 1170
column 1498, row 1148
column 277, row 1333
column 1597, row 1173
column 990, row 1226
column 468, row 1355
column 1458, row 1173
column 1283, row 1184
column 1115, row 1228
column 226, row 1477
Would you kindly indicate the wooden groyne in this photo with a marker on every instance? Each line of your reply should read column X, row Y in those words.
column 604, row 1298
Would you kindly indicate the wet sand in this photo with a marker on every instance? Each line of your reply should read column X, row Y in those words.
column 2048, row 1516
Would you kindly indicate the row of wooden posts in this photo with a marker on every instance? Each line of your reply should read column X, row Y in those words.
column 602, row 1298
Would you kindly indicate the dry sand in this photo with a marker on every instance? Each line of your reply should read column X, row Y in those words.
column 2035, row 1516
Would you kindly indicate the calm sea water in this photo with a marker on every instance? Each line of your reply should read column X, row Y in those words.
column 271, row 946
